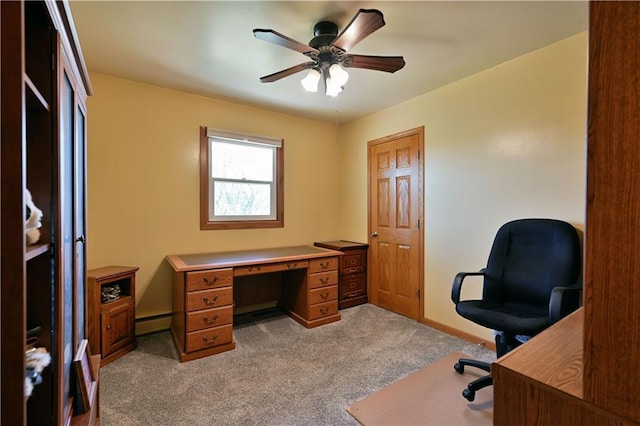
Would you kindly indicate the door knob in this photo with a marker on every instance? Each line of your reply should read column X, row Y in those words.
column 374, row 234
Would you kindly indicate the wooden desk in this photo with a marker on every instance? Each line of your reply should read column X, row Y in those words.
column 203, row 292
column 541, row 382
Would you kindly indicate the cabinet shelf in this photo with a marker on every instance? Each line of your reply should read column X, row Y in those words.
column 36, row 250
column 35, row 100
column 123, row 298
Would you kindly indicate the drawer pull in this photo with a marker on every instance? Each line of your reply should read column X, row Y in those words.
column 211, row 282
column 208, row 320
column 208, row 301
column 324, row 265
column 324, row 280
column 324, row 310
column 209, row 341
column 257, row 268
column 324, row 296
column 292, row 265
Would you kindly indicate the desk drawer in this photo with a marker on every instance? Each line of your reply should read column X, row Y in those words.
column 323, row 279
column 209, row 337
column 354, row 261
column 353, row 285
column 270, row 267
column 212, row 278
column 205, row 299
column 322, row 310
column 209, row 318
column 323, row 264
column 323, row 294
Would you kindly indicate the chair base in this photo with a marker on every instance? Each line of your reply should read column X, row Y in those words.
column 482, row 382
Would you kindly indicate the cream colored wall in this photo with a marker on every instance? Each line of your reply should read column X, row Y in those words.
column 143, row 181
column 506, row 143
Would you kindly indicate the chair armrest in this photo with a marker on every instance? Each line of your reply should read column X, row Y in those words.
column 457, row 283
column 563, row 301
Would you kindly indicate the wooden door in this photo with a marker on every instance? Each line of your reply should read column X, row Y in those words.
column 395, row 222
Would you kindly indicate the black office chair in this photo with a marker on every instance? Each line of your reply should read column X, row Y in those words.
column 532, row 280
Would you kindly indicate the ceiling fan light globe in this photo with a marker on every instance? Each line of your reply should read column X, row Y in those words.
column 333, row 89
column 310, row 82
column 338, row 74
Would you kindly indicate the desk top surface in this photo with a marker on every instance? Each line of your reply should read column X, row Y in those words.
column 553, row 357
column 194, row 262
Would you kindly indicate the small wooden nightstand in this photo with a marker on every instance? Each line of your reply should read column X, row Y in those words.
column 111, row 311
column 352, row 274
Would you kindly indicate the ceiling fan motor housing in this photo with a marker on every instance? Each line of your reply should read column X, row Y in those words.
column 325, row 32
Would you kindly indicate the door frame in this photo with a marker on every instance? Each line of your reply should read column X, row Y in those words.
column 419, row 131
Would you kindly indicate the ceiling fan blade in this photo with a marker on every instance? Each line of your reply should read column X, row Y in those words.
column 378, row 63
column 282, row 40
column 364, row 23
column 285, row 73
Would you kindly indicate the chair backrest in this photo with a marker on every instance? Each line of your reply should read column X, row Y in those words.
column 530, row 257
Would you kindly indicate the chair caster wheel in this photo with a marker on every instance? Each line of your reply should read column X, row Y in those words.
column 469, row 395
column 458, row 367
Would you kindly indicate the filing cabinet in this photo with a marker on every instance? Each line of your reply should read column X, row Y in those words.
column 352, row 272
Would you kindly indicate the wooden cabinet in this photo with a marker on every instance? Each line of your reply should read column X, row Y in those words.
column 43, row 115
column 352, row 281
column 111, row 300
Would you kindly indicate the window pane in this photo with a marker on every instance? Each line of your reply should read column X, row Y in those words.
column 241, row 199
column 237, row 161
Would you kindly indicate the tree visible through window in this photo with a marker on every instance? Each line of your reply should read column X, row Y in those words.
column 241, row 181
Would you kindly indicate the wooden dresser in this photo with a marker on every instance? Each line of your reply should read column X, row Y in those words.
column 352, row 273
column 203, row 292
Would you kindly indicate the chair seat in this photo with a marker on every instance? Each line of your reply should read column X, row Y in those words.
column 503, row 317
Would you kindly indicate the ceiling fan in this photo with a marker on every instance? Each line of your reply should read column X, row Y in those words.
column 328, row 52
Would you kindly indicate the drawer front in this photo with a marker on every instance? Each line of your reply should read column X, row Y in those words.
column 323, row 279
column 270, row 267
column 353, row 282
column 209, row 337
column 209, row 318
column 213, row 278
column 323, row 264
column 323, row 294
column 322, row 310
column 206, row 299
column 354, row 261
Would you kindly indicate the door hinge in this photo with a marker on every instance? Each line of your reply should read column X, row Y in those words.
column 418, row 293
column 418, row 154
column 53, row 62
column 418, row 223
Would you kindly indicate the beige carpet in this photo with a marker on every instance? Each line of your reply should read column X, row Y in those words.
column 430, row 396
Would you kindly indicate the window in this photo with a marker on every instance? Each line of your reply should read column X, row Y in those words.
column 241, row 181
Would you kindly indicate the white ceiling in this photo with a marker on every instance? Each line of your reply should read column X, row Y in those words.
column 208, row 48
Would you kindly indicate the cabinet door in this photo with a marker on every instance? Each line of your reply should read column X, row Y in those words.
column 118, row 327
column 80, row 214
column 65, row 246
column 70, row 249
